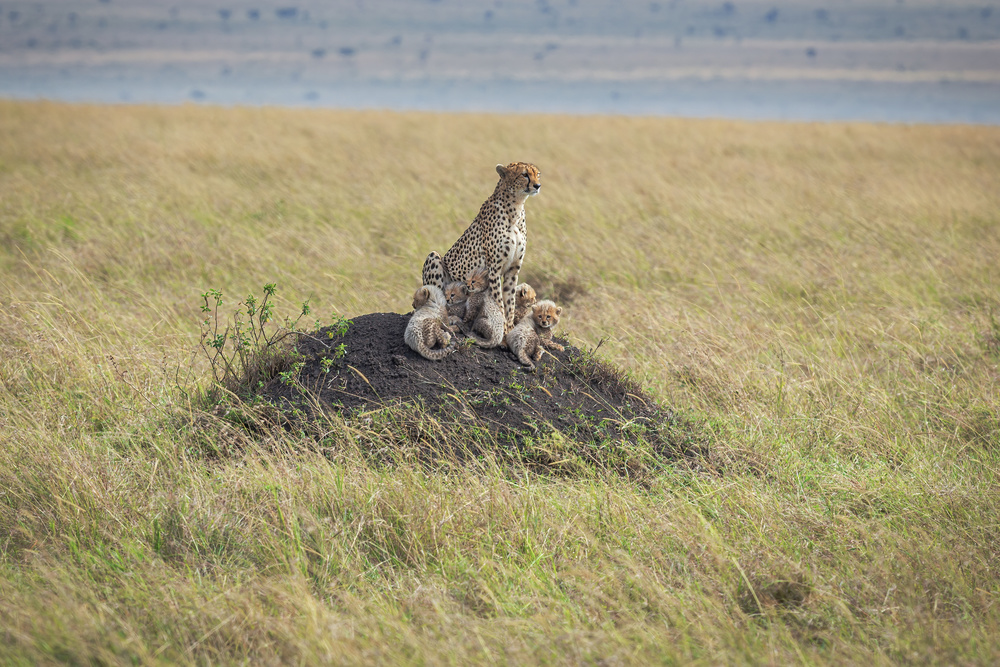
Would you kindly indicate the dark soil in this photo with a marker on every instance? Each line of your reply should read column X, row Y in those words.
column 572, row 392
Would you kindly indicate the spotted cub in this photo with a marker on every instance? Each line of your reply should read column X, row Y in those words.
column 426, row 328
column 524, row 299
column 534, row 332
column 484, row 318
column 456, row 295
column 496, row 239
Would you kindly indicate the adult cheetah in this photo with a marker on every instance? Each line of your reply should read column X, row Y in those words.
column 496, row 239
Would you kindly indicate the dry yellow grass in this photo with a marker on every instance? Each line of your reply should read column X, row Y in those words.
column 825, row 296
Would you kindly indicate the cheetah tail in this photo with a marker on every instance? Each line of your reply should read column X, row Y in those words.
column 486, row 342
column 437, row 355
column 493, row 341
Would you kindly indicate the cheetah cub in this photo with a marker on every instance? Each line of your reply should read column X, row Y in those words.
column 524, row 299
column 533, row 333
column 456, row 295
column 426, row 328
column 484, row 317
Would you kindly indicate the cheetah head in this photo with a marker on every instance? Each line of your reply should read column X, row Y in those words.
column 519, row 178
column 546, row 314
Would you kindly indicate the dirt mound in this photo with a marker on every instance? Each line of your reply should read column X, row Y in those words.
column 571, row 392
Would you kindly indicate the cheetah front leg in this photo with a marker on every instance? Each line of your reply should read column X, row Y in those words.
column 509, row 288
column 498, row 294
column 537, row 354
column 551, row 344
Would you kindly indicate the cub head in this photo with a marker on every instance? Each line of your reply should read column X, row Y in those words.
column 455, row 292
column 427, row 294
column 519, row 178
column 546, row 314
column 524, row 295
column 477, row 280
column 420, row 297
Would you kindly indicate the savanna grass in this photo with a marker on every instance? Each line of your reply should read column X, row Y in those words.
column 823, row 296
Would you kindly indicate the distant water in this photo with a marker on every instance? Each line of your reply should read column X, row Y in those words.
column 921, row 102
column 876, row 60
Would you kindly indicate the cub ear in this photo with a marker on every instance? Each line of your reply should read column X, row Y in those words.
column 559, row 310
column 501, row 170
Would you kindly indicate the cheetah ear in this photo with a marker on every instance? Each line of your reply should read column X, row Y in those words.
column 559, row 310
column 501, row 170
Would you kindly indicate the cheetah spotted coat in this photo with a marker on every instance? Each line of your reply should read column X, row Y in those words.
column 496, row 239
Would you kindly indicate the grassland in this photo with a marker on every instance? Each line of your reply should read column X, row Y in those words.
column 823, row 298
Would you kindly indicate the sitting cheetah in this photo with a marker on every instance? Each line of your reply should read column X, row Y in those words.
column 496, row 239
column 524, row 299
column 427, row 328
column 456, row 296
column 534, row 332
column 484, row 318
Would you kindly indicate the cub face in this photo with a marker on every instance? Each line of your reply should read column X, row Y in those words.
column 546, row 314
column 455, row 293
column 477, row 280
column 521, row 177
column 524, row 295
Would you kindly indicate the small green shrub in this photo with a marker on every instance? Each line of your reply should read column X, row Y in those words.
column 250, row 348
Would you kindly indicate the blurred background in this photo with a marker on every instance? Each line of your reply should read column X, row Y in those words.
column 877, row 60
